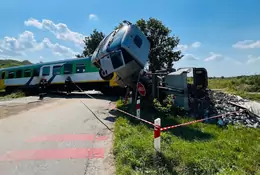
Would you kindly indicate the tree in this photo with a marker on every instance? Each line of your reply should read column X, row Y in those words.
column 162, row 54
column 91, row 43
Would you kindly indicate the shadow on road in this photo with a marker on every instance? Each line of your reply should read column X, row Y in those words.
column 74, row 95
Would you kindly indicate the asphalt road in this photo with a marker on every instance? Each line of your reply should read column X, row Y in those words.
column 59, row 137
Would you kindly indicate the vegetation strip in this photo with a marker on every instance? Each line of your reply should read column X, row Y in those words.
column 195, row 149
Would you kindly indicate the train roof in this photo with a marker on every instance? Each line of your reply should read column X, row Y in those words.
column 46, row 63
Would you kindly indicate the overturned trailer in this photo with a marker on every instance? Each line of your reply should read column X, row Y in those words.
column 125, row 51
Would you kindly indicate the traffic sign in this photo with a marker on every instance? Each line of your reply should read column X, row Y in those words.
column 141, row 89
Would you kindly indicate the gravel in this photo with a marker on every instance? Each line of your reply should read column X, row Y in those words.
column 221, row 106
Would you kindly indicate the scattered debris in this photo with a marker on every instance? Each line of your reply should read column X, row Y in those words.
column 225, row 103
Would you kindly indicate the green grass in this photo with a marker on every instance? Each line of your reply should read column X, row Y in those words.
column 18, row 94
column 245, row 86
column 241, row 83
column 195, row 149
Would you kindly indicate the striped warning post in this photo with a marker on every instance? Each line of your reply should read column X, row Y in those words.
column 138, row 111
column 157, row 134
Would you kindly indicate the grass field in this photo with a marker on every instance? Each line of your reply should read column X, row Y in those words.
column 195, row 149
column 245, row 86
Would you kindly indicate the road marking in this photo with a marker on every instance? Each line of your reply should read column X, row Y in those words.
column 69, row 153
column 67, row 137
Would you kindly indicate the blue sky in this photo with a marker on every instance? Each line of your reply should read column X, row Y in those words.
column 222, row 36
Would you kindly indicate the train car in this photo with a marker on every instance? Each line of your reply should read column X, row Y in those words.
column 125, row 52
column 81, row 71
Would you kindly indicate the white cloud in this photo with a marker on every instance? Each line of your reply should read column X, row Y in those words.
column 92, row 17
column 57, row 49
column 252, row 59
column 33, row 22
column 190, row 57
column 196, row 44
column 60, row 30
column 247, row 44
column 12, row 46
column 213, row 56
column 184, row 47
column 26, row 42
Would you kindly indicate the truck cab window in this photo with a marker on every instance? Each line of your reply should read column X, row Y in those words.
column 138, row 41
column 116, row 59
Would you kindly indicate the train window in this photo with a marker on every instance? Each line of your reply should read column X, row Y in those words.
column 3, row 75
column 116, row 59
column 46, row 71
column 56, row 70
column 67, row 68
column 27, row 73
column 80, row 68
column 36, row 72
column 138, row 41
column 19, row 74
column 10, row 75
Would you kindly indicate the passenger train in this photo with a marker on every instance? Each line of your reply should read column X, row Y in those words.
column 81, row 71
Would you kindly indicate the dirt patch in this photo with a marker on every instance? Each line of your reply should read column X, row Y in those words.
column 12, row 109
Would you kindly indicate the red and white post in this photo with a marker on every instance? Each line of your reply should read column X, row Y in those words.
column 157, row 134
column 138, row 106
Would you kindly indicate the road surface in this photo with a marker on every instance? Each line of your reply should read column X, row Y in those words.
column 60, row 136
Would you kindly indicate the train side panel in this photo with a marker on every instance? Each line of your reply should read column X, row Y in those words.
column 86, row 77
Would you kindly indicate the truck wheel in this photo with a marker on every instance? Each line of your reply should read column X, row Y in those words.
column 108, row 77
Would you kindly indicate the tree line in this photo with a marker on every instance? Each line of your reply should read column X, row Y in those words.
column 163, row 51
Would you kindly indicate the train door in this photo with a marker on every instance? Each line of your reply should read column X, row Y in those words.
column 2, row 80
column 56, row 74
column 45, row 72
column 51, row 73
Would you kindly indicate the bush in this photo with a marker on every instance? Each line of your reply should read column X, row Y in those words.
column 166, row 106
